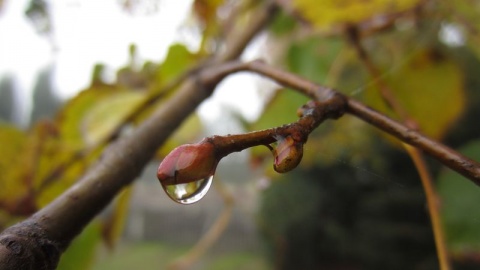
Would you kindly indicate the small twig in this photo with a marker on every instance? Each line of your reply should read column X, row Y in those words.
column 387, row 95
column 312, row 115
column 433, row 205
column 449, row 157
column 190, row 162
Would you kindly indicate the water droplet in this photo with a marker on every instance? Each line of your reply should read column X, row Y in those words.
column 186, row 173
column 189, row 193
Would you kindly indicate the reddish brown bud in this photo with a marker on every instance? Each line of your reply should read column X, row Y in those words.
column 287, row 154
column 188, row 163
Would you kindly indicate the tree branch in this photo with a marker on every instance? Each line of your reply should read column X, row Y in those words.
column 449, row 157
column 52, row 228
column 38, row 242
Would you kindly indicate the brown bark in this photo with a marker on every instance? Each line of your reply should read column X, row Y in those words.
column 38, row 242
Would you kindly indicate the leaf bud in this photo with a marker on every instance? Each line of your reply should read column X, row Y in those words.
column 287, row 154
column 188, row 163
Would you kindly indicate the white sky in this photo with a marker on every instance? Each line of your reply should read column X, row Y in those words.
column 86, row 32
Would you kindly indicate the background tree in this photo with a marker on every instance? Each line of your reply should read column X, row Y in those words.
column 338, row 209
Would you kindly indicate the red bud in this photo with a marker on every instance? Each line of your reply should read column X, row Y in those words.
column 188, row 163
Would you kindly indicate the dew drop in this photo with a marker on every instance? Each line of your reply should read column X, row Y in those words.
column 189, row 193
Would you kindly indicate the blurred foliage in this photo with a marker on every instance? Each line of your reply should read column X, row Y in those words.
column 329, row 13
column 40, row 163
column 179, row 59
column 465, row 17
column 82, row 252
column 155, row 255
column 116, row 219
column 341, row 217
column 459, row 201
column 313, row 57
column 39, row 14
column 426, row 75
column 355, row 202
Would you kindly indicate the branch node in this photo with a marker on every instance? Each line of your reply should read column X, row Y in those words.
column 27, row 246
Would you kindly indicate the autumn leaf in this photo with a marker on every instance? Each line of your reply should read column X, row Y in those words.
column 14, row 165
column 328, row 13
column 429, row 87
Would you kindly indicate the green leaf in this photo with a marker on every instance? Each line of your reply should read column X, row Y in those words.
column 94, row 113
column 85, row 121
column 107, row 114
column 113, row 227
column 282, row 24
column 429, row 87
column 178, row 60
column 70, row 118
column 313, row 57
column 282, row 109
column 81, row 253
column 459, row 206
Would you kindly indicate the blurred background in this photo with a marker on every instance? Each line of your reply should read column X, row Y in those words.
column 71, row 71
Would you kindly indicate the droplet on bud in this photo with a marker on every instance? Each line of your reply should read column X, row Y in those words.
column 190, row 192
column 287, row 154
column 186, row 173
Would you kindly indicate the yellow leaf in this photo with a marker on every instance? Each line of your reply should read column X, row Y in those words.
column 429, row 87
column 70, row 118
column 14, row 167
column 106, row 114
column 52, row 171
column 85, row 121
column 113, row 227
column 327, row 13
column 94, row 113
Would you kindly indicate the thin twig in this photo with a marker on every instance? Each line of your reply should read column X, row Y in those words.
column 313, row 114
column 433, row 205
column 449, row 157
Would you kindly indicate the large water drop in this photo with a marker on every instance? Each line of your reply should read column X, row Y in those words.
column 189, row 193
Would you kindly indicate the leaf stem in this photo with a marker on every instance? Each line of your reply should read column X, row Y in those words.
column 433, row 205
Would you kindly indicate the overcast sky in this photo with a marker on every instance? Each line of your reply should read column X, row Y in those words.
column 86, row 32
